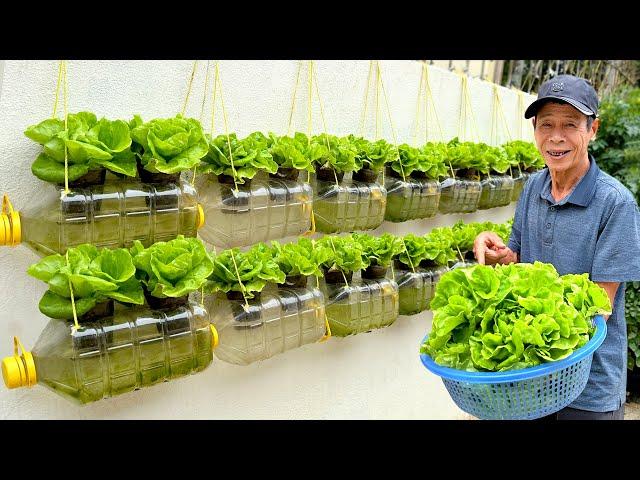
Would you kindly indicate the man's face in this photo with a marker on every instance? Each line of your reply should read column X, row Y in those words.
column 562, row 136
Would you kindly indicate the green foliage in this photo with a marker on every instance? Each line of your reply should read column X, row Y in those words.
column 510, row 317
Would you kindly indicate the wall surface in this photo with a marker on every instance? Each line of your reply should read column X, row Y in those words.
column 370, row 376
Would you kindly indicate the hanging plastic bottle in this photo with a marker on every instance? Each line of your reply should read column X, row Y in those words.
column 111, row 215
column 348, row 205
column 276, row 320
column 135, row 348
column 262, row 209
column 497, row 191
column 360, row 305
column 410, row 198
column 459, row 195
column 417, row 286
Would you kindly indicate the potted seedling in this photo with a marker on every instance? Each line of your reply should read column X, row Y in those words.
column 95, row 278
column 166, row 147
column 92, row 147
column 169, row 271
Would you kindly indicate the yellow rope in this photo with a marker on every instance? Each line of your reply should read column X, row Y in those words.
column 520, row 113
column 55, row 103
column 433, row 104
column 334, row 251
column 408, row 256
column 293, row 100
column 418, row 107
column 366, row 100
column 327, row 334
column 73, row 302
column 393, row 130
column 204, row 94
column 213, row 102
column 66, row 117
column 186, row 99
column 226, row 127
column 501, row 112
column 377, row 119
column 242, row 287
column 309, row 119
column 324, row 123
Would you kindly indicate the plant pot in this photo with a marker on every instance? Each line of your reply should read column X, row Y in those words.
column 286, row 173
column 336, row 276
column 156, row 303
column 156, row 177
column 418, row 174
column 328, row 174
column 427, row 263
column 470, row 256
column 101, row 310
column 470, row 173
column 295, row 281
column 365, row 175
column 374, row 271
column 92, row 177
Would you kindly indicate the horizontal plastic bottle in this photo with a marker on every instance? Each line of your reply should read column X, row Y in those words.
column 417, row 286
column 277, row 320
column 458, row 195
column 519, row 181
column 111, row 215
column 361, row 305
column 348, row 205
column 262, row 209
column 135, row 348
column 411, row 198
column 497, row 191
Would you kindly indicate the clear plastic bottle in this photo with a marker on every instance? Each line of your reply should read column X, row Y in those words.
column 277, row 320
column 459, row 195
column 112, row 215
column 497, row 191
column 519, row 181
column 416, row 288
column 360, row 306
column 135, row 348
column 261, row 210
column 411, row 198
column 348, row 206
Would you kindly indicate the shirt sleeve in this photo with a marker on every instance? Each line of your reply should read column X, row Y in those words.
column 617, row 256
column 515, row 240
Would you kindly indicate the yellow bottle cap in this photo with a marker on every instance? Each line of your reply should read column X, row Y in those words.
column 19, row 370
column 214, row 337
column 200, row 217
column 10, row 231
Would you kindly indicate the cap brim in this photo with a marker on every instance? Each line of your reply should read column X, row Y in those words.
column 535, row 106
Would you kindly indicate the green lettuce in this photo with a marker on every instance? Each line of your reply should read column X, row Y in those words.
column 345, row 253
column 301, row 258
column 254, row 268
column 511, row 316
column 378, row 250
column 169, row 145
column 174, row 268
column 95, row 276
column 91, row 144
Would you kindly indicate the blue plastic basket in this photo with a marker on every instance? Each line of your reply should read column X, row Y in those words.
column 522, row 394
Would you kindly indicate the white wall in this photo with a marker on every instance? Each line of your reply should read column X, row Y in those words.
column 375, row 375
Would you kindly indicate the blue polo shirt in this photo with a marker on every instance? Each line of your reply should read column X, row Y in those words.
column 594, row 230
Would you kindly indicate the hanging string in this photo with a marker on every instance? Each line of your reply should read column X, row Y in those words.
column 66, row 118
column 334, row 251
column 204, row 98
column 73, row 301
column 186, row 99
column 55, row 103
column 293, row 100
column 377, row 99
column 226, row 127
column 500, row 110
column 366, row 99
column 418, row 107
column 242, row 287
column 393, row 130
column 408, row 256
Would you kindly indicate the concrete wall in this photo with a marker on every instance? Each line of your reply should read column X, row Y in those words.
column 376, row 375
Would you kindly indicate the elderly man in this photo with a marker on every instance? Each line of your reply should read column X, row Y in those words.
column 576, row 217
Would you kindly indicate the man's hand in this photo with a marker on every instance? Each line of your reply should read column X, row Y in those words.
column 489, row 249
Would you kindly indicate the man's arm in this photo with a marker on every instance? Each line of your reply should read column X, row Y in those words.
column 611, row 288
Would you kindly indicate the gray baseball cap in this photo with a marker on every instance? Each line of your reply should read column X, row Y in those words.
column 576, row 91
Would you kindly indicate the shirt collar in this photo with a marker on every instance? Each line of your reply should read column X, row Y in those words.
column 582, row 193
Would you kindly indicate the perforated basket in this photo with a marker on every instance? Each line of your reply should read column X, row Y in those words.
column 522, row 394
